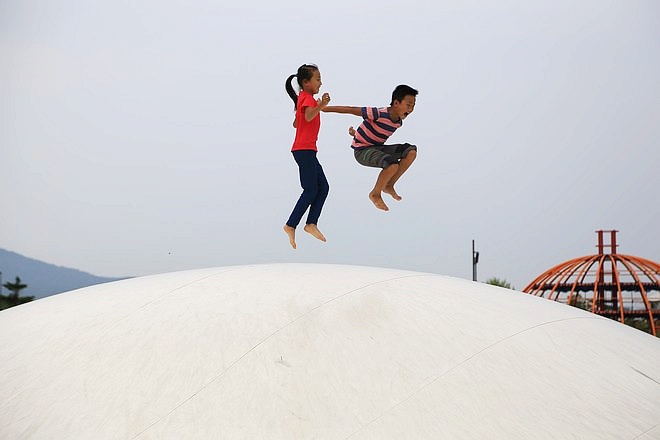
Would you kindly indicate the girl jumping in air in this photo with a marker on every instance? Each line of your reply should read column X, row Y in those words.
column 307, row 123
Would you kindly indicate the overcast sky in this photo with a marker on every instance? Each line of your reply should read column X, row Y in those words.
column 154, row 136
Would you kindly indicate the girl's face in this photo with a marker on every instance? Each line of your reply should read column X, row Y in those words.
column 313, row 85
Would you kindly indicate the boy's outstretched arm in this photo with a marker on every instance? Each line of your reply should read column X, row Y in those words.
column 357, row 111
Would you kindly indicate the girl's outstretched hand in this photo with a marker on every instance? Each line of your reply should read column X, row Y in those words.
column 324, row 100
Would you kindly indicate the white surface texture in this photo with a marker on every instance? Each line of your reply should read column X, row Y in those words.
column 317, row 351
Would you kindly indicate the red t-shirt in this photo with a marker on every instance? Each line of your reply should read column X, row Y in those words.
column 306, row 132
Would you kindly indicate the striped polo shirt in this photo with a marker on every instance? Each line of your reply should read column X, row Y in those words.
column 375, row 129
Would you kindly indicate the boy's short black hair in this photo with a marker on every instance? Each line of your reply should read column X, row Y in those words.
column 401, row 91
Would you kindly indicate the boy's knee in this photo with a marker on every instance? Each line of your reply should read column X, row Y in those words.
column 410, row 151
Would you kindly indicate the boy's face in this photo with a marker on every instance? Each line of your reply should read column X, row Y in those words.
column 404, row 107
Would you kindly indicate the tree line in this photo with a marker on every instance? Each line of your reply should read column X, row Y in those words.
column 14, row 298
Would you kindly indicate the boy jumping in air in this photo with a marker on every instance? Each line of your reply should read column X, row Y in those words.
column 369, row 140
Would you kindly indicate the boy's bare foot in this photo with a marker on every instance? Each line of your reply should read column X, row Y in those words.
column 390, row 190
column 314, row 230
column 291, row 232
column 377, row 200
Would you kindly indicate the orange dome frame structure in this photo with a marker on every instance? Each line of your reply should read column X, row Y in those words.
column 622, row 287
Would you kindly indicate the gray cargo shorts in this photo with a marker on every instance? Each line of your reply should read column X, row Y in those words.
column 382, row 156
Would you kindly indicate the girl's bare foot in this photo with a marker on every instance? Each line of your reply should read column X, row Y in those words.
column 390, row 190
column 291, row 232
column 314, row 230
column 377, row 200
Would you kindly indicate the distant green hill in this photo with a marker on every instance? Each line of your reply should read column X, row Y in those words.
column 44, row 279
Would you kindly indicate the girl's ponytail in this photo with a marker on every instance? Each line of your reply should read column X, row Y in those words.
column 289, row 89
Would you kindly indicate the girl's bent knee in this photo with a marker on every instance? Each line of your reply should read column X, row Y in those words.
column 309, row 196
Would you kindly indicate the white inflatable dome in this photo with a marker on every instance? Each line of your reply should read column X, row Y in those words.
column 314, row 351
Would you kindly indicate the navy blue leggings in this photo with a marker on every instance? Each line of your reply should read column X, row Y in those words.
column 315, row 188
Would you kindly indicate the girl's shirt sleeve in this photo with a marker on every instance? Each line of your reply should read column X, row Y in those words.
column 307, row 100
